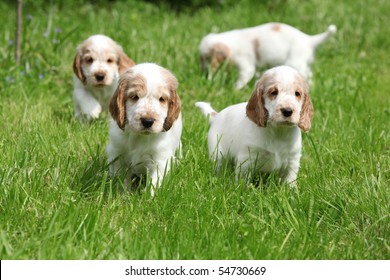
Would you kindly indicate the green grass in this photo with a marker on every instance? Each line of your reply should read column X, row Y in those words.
column 57, row 200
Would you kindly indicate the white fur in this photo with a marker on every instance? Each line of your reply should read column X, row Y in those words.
column 269, row 44
column 233, row 137
column 91, row 95
column 137, row 150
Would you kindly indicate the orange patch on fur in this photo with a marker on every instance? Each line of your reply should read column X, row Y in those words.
column 134, row 85
column 219, row 53
column 78, row 60
column 255, row 109
column 276, row 27
column 301, row 87
column 271, row 91
column 307, row 110
column 170, row 79
column 85, row 46
column 174, row 100
column 256, row 48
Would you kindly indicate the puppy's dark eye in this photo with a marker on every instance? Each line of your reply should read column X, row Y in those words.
column 162, row 100
column 274, row 92
column 110, row 60
column 89, row 60
column 297, row 94
column 134, row 98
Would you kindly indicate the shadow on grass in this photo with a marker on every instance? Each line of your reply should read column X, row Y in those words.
column 263, row 182
column 92, row 177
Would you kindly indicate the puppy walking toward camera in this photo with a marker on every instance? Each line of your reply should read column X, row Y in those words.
column 263, row 135
column 269, row 44
column 97, row 65
column 146, row 124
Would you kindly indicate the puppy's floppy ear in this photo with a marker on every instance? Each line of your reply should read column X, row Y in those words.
column 77, row 67
column 173, row 110
column 124, row 62
column 118, row 103
column 255, row 109
column 307, row 112
column 173, row 102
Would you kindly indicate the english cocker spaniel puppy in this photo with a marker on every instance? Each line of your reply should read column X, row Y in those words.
column 146, row 124
column 269, row 44
column 97, row 65
column 263, row 135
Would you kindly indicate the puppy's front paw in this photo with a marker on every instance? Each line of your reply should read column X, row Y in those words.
column 239, row 85
column 94, row 114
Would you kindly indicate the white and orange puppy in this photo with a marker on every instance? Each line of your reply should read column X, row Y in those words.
column 263, row 135
column 269, row 44
column 146, row 124
column 97, row 65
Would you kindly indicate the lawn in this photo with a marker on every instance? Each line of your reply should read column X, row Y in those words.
column 57, row 200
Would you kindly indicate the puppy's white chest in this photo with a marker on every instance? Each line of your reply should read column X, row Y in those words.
column 267, row 161
column 139, row 157
column 103, row 95
column 140, row 163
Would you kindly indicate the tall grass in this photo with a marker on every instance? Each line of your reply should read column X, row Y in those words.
column 57, row 200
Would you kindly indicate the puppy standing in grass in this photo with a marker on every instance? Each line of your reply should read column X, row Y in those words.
column 97, row 65
column 269, row 44
column 263, row 135
column 146, row 128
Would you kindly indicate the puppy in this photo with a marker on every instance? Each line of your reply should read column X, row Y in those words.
column 263, row 135
column 96, row 66
column 146, row 124
column 270, row 44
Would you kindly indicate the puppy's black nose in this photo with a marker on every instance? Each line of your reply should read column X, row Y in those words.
column 99, row 77
column 147, row 122
column 287, row 112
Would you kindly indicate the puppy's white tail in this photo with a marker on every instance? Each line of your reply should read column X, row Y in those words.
column 322, row 37
column 206, row 110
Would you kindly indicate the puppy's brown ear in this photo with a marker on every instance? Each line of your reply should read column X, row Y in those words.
column 307, row 113
column 255, row 109
column 118, row 104
column 173, row 102
column 124, row 62
column 173, row 110
column 77, row 67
